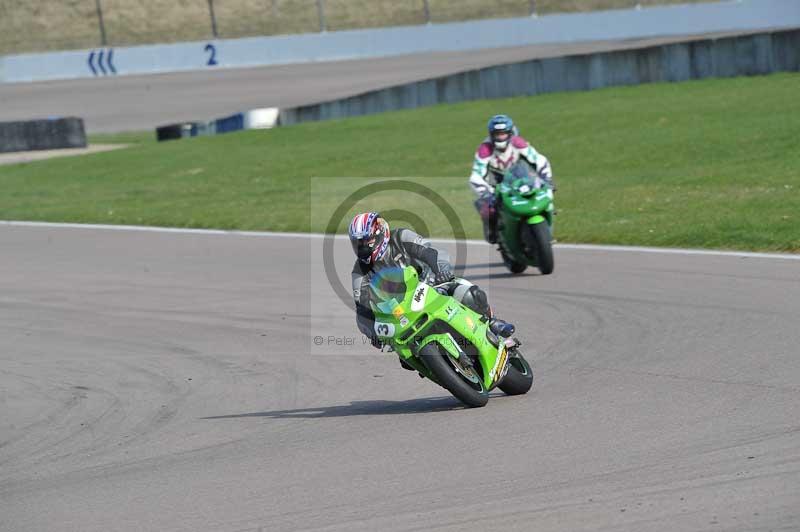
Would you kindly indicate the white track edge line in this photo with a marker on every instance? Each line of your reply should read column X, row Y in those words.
column 275, row 234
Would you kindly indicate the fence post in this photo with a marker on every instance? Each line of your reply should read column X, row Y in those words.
column 213, row 18
column 532, row 8
column 101, row 23
column 323, row 25
column 426, row 6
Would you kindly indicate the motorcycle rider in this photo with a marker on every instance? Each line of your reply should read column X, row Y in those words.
column 377, row 248
column 496, row 154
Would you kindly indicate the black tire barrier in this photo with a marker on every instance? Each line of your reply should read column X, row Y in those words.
column 47, row 134
column 264, row 118
column 229, row 124
column 177, row 131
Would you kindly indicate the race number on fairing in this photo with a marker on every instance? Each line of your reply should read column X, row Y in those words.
column 385, row 330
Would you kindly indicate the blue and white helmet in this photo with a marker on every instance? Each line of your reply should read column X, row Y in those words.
column 369, row 236
column 501, row 129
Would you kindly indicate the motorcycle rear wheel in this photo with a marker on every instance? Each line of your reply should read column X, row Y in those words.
column 513, row 266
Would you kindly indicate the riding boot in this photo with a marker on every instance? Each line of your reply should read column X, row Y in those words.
column 405, row 365
column 501, row 328
column 490, row 230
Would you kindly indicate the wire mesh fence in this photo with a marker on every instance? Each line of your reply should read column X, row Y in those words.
column 41, row 25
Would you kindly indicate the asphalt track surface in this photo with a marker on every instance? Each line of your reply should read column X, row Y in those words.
column 169, row 382
column 133, row 103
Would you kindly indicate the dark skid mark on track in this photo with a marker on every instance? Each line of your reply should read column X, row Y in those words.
column 770, row 278
column 620, row 299
column 639, row 399
column 788, row 389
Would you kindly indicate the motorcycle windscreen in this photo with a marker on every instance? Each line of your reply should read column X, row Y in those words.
column 526, row 177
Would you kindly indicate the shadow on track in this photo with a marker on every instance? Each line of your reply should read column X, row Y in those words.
column 359, row 408
column 503, row 275
column 483, row 265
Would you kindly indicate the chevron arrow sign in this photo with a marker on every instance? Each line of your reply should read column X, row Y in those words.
column 101, row 62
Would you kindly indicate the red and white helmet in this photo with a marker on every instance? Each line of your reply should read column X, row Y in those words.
column 369, row 236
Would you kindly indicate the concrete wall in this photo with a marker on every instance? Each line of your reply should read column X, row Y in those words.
column 729, row 15
column 735, row 56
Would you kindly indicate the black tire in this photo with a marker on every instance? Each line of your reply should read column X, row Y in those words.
column 447, row 376
column 519, row 378
column 543, row 249
column 513, row 267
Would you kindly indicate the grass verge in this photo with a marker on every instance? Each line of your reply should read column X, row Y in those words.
column 711, row 164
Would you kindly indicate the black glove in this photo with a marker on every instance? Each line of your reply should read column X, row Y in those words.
column 444, row 275
column 376, row 342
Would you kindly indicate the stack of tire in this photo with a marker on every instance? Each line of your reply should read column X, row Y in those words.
column 46, row 134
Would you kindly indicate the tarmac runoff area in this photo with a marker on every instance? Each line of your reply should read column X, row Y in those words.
column 135, row 103
column 155, row 380
column 30, row 156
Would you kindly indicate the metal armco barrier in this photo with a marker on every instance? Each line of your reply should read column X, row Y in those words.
column 748, row 55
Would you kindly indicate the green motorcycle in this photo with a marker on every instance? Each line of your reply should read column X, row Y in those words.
column 525, row 220
column 444, row 340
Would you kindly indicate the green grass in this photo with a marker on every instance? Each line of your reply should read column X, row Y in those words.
column 38, row 25
column 712, row 164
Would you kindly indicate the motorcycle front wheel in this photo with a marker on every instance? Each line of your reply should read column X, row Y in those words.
column 467, row 389
column 519, row 378
column 541, row 247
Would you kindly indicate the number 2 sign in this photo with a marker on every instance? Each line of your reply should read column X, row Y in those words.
column 211, row 50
